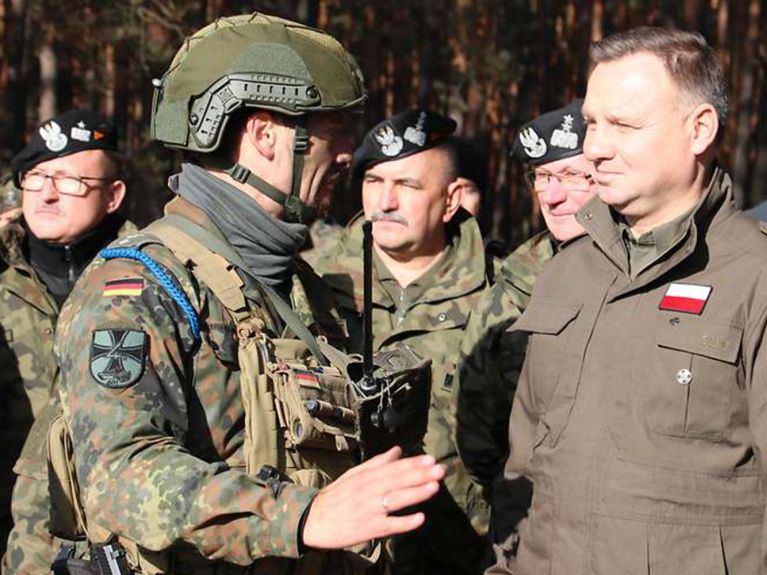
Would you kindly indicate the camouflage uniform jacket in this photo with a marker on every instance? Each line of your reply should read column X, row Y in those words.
column 432, row 324
column 160, row 462
column 28, row 314
column 491, row 357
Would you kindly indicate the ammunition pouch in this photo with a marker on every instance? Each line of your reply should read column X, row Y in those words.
column 67, row 520
column 300, row 415
column 313, row 407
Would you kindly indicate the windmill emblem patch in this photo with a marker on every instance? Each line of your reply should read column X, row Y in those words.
column 117, row 357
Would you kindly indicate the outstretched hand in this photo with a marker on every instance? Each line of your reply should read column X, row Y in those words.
column 357, row 506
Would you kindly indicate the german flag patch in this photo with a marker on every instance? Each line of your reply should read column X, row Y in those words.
column 123, row 287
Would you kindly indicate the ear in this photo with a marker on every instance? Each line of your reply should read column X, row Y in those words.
column 115, row 196
column 704, row 123
column 453, row 199
column 261, row 134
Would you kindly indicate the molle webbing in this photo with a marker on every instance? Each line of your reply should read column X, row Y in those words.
column 188, row 241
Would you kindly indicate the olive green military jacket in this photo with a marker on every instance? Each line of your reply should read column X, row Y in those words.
column 433, row 326
column 491, row 358
column 28, row 315
column 159, row 453
column 641, row 410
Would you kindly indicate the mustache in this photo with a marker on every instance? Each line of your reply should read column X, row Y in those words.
column 395, row 217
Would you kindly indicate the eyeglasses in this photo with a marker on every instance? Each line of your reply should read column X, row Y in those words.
column 539, row 180
column 66, row 185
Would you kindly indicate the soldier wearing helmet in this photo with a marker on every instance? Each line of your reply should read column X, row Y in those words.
column 208, row 429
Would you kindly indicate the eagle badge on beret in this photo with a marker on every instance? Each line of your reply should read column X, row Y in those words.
column 388, row 140
column 534, row 145
column 55, row 140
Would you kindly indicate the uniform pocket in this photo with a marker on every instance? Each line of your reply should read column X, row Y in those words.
column 691, row 380
column 547, row 346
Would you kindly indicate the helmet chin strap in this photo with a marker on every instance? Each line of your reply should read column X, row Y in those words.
column 295, row 210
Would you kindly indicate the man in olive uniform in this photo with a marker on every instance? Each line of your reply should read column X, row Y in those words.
column 187, row 353
column 429, row 271
column 491, row 355
column 72, row 187
column 640, row 411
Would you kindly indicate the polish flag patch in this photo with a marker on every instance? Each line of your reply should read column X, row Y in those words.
column 687, row 298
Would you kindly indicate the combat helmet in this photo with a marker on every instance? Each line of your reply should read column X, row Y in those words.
column 253, row 61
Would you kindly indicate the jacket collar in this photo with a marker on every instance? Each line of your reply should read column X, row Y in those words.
column 715, row 206
column 466, row 275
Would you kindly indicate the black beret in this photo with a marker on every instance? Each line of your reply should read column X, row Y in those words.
column 400, row 136
column 68, row 133
column 472, row 161
column 552, row 136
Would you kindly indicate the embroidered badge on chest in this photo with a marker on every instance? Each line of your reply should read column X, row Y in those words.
column 686, row 298
column 117, row 357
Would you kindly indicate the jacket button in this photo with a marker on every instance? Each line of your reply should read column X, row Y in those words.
column 683, row 376
column 442, row 317
column 48, row 330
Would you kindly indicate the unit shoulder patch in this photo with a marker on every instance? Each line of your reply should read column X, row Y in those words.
column 117, row 357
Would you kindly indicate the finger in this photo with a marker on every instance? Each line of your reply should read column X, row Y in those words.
column 394, row 525
column 393, row 454
column 384, row 458
column 401, row 498
column 401, row 474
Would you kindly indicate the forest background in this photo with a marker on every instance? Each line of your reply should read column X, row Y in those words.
column 490, row 64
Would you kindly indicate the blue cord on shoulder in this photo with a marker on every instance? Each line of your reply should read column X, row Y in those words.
column 162, row 276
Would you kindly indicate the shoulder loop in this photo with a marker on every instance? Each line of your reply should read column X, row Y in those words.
column 162, row 277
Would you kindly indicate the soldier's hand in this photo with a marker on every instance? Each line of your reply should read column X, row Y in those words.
column 356, row 507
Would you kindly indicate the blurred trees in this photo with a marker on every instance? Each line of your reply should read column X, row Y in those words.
column 491, row 64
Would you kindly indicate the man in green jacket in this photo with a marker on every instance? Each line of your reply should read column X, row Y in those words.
column 429, row 272
column 491, row 354
column 70, row 177
column 639, row 416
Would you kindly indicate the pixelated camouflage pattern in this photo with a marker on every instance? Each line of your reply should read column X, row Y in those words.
column 433, row 326
column 28, row 315
column 161, row 463
column 323, row 238
column 10, row 195
column 491, row 359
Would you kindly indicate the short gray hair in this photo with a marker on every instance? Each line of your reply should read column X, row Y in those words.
column 690, row 62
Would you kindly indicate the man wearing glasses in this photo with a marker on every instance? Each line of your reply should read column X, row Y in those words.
column 491, row 356
column 69, row 175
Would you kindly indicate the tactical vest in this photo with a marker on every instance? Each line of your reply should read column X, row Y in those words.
column 300, row 416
